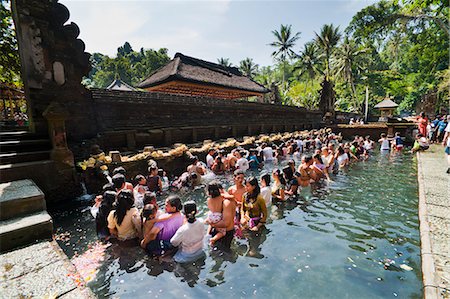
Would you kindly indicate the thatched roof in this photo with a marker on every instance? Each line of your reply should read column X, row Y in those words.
column 386, row 103
column 120, row 85
column 201, row 76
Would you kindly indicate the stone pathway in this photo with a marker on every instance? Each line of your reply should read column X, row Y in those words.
column 40, row 271
column 434, row 216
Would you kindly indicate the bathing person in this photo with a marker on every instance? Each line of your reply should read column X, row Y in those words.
column 267, row 153
column 120, row 183
column 148, row 217
column 242, row 162
column 189, row 237
column 327, row 159
column 210, row 158
column 154, row 182
column 214, row 215
column 125, row 222
column 238, row 189
column 157, row 240
column 319, row 168
column 368, row 143
column 305, row 171
column 101, row 219
column 384, row 141
column 341, row 157
column 254, row 210
column 218, row 166
column 227, row 222
column 139, row 191
column 291, row 187
column 195, row 171
column 122, row 171
column 266, row 191
column 397, row 143
column 279, row 184
column 253, row 160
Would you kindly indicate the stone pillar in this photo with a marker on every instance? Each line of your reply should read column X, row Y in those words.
column 56, row 116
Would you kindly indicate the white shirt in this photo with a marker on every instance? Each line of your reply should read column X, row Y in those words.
column 266, row 193
column 447, row 129
column 385, row 144
column 189, row 237
column 209, row 160
column 242, row 164
column 300, row 144
column 267, row 153
column 326, row 159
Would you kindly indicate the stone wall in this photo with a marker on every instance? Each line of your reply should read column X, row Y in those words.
column 129, row 120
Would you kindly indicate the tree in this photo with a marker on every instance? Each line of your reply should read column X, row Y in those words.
column 347, row 66
column 248, row 67
column 9, row 52
column 130, row 66
column 284, row 44
column 327, row 40
column 224, row 62
column 309, row 62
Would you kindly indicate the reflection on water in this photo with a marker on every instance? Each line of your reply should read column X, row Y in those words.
column 343, row 239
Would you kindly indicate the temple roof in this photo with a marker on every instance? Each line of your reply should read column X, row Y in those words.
column 189, row 75
column 119, row 85
column 386, row 103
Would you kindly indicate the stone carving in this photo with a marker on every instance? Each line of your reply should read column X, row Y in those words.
column 53, row 63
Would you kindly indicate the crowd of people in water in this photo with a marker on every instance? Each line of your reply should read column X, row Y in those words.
column 130, row 213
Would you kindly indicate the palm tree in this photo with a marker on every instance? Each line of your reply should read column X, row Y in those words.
column 327, row 40
column 248, row 67
column 284, row 43
column 224, row 62
column 348, row 65
column 309, row 62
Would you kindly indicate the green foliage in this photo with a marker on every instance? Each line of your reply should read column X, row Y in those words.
column 224, row 62
column 248, row 67
column 130, row 66
column 327, row 40
column 9, row 53
column 305, row 94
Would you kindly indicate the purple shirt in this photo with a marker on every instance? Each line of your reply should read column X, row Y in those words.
column 169, row 227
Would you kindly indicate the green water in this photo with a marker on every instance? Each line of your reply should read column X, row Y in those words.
column 332, row 243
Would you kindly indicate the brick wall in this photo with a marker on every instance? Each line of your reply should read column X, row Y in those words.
column 135, row 119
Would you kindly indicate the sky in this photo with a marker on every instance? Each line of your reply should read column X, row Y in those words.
column 208, row 30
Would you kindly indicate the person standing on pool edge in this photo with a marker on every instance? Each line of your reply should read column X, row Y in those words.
column 446, row 142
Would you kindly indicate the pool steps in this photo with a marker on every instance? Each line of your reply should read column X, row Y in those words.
column 23, row 215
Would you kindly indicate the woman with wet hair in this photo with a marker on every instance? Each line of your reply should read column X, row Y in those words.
column 125, row 222
column 189, row 237
column 278, row 189
column 101, row 219
column 266, row 192
column 253, row 209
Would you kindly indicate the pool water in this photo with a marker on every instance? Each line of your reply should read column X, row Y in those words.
column 356, row 237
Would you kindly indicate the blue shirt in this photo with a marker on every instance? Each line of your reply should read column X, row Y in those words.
column 441, row 126
column 255, row 163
